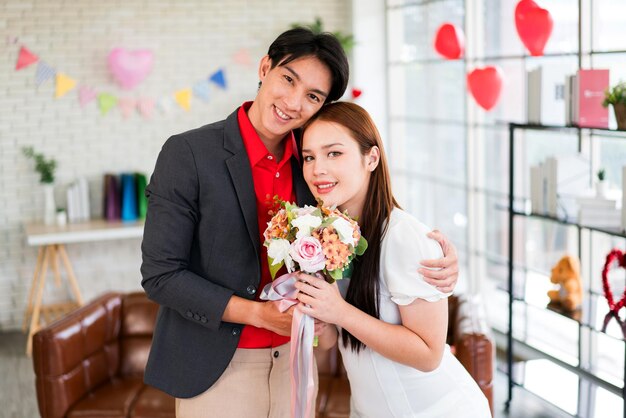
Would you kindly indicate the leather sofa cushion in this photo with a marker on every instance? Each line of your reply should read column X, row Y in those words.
column 152, row 403
column 113, row 400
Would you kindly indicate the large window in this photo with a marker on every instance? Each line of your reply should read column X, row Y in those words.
column 450, row 167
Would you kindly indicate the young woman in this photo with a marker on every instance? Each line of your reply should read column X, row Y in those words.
column 392, row 323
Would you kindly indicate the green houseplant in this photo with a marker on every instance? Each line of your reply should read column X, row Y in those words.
column 45, row 167
column 616, row 96
column 317, row 27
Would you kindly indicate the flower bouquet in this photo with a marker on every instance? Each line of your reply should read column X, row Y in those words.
column 316, row 240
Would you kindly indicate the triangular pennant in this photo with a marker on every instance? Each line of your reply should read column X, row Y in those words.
column 127, row 106
column 106, row 102
column 64, row 84
column 25, row 58
column 202, row 90
column 44, row 72
column 166, row 104
column 242, row 57
column 218, row 78
column 146, row 107
column 86, row 95
column 183, row 98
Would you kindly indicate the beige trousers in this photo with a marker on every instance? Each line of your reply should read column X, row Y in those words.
column 255, row 384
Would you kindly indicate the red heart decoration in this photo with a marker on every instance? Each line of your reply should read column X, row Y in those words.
column 620, row 257
column 485, row 84
column 356, row 93
column 449, row 41
column 534, row 26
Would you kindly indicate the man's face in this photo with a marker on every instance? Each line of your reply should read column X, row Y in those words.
column 289, row 95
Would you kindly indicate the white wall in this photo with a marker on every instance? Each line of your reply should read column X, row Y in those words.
column 190, row 40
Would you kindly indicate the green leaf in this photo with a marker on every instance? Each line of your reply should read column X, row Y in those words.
column 361, row 247
column 347, row 271
column 274, row 268
column 336, row 274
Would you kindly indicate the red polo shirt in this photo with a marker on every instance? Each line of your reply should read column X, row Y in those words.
column 271, row 178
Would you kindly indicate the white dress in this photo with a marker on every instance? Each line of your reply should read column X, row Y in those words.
column 384, row 388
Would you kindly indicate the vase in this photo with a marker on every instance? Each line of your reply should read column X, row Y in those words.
column 49, row 207
column 620, row 115
column 601, row 189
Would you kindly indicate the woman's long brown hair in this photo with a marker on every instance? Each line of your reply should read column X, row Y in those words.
column 364, row 288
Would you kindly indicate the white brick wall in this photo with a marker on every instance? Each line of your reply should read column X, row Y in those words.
column 190, row 40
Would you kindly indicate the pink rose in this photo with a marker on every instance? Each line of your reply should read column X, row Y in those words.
column 307, row 252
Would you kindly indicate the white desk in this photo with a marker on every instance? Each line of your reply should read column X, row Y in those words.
column 51, row 240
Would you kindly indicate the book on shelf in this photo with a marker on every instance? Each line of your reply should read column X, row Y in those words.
column 78, row 207
column 584, row 94
column 545, row 95
column 124, row 196
column 601, row 218
column 566, row 176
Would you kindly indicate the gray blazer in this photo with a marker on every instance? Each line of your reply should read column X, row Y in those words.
column 200, row 247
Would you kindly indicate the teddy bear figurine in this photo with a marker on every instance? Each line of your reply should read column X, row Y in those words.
column 566, row 274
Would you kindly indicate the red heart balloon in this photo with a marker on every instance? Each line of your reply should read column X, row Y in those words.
column 450, row 41
column 534, row 26
column 356, row 93
column 485, row 85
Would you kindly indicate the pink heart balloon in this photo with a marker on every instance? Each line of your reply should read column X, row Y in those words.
column 485, row 85
column 534, row 26
column 130, row 68
column 450, row 41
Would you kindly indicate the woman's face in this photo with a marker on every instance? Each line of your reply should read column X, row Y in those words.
column 334, row 168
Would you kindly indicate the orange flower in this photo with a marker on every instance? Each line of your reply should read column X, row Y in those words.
column 277, row 227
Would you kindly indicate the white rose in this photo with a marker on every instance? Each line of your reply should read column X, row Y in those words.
column 345, row 230
column 306, row 210
column 278, row 250
column 306, row 224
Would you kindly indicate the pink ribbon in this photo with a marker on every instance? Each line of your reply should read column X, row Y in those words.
column 301, row 356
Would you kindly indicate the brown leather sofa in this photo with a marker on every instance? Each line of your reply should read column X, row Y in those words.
column 91, row 362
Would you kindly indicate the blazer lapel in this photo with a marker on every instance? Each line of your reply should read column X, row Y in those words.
column 241, row 175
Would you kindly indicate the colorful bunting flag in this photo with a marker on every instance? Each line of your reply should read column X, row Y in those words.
column 219, row 79
column 183, row 98
column 106, row 102
column 64, row 84
column 202, row 90
column 86, row 95
column 44, row 72
column 25, row 58
column 166, row 104
column 127, row 106
column 146, row 107
column 242, row 57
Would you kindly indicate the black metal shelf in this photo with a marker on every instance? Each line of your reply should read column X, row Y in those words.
column 582, row 320
column 614, row 232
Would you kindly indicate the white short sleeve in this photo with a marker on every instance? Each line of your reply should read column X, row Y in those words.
column 405, row 244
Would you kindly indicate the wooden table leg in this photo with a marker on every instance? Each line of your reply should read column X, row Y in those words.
column 54, row 259
column 34, row 321
column 70, row 274
column 33, row 286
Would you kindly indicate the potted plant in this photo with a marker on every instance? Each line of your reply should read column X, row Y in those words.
column 616, row 96
column 45, row 168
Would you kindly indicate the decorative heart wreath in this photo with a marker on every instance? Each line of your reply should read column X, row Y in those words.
column 620, row 257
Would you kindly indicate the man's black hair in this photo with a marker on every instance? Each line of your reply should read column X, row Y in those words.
column 302, row 42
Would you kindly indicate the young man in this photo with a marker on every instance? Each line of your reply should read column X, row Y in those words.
column 217, row 348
